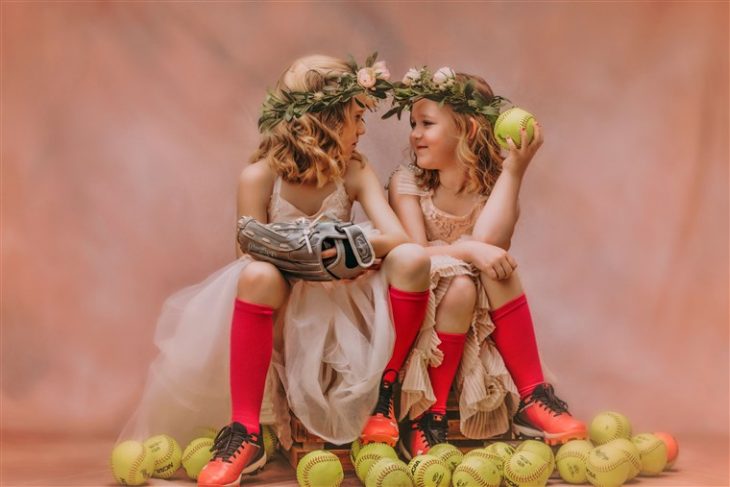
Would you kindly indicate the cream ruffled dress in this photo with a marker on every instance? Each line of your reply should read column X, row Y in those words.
column 487, row 395
column 331, row 343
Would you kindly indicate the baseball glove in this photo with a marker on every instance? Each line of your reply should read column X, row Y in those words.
column 295, row 248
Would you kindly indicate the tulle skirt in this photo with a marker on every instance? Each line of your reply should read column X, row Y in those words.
column 332, row 342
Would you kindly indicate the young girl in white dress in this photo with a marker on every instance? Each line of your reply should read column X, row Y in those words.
column 459, row 199
column 247, row 336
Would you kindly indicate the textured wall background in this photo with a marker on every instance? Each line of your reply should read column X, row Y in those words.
column 124, row 126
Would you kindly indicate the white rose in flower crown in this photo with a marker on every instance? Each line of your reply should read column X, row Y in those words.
column 412, row 75
column 366, row 77
column 381, row 70
column 443, row 76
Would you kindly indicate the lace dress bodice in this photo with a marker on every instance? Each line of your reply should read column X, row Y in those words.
column 337, row 205
column 441, row 226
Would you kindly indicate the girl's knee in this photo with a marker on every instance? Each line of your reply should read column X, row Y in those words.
column 410, row 261
column 461, row 293
column 262, row 283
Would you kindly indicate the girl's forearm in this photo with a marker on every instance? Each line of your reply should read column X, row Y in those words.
column 384, row 243
column 496, row 223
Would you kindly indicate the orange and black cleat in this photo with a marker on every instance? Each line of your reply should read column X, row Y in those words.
column 236, row 452
column 420, row 435
column 545, row 416
column 382, row 426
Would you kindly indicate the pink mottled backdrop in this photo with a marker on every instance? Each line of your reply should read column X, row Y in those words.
column 124, row 126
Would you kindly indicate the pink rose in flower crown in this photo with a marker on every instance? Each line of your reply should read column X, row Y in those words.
column 412, row 75
column 381, row 70
column 366, row 77
column 443, row 76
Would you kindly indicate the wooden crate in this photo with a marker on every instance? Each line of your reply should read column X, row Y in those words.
column 305, row 442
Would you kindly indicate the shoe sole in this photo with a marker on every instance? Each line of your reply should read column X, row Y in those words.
column 524, row 432
column 388, row 440
column 252, row 469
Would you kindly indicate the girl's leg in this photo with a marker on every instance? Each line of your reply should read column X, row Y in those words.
column 238, row 446
column 407, row 269
column 541, row 412
column 453, row 318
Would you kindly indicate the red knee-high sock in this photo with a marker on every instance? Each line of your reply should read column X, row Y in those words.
column 452, row 345
column 409, row 310
column 252, row 331
column 514, row 336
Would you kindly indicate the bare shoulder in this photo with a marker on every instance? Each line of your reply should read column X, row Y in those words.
column 257, row 175
column 359, row 175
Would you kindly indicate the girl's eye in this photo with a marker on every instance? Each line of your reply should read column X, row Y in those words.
column 427, row 122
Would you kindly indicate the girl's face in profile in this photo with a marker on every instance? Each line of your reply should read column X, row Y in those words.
column 352, row 129
column 434, row 135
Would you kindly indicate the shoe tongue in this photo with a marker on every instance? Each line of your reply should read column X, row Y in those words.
column 238, row 427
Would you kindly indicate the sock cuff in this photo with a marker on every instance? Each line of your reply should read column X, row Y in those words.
column 509, row 307
column 408, row 295
column 455, row 338
column 258, row 309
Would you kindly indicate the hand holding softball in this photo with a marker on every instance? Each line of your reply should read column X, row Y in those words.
column 517, row 131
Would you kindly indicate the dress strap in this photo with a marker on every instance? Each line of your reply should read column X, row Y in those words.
column 277, row 187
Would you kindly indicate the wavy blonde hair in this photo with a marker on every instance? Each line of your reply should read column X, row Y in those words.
column 479, row 154
column 308, row 149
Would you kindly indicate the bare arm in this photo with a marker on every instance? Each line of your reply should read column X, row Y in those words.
column 496, row 223
column 487, row 258
column 497, row 220
column 254, row 191
column 368, row 191
column 408, row 210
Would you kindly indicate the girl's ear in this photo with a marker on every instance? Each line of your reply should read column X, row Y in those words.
column 473, row 127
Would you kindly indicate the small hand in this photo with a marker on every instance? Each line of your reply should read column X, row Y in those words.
column 519, row 157
column 331, row 252
column 494, row 261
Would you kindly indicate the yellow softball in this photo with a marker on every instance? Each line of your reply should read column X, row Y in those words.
column 196, row 456
column 429, row 471
column 607, row 426
column 542, row 449
column 166, row 454
column 369, row 454
column 526, row 468
column 504, row 450
column 132, row 463
column 571, row 461
column 476, row 472
column 632, row 455
column 271, row 441
column 448, row 453
column 320, row 468
column 387, row 472
column 607, row 467
column 653, row 453
column 486, row 454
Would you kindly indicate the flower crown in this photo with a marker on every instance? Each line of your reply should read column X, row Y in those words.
column 371, row 80
column 443, row 87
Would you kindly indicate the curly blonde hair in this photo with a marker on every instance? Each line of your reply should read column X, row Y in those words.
column 478, row 153
column 308, row 149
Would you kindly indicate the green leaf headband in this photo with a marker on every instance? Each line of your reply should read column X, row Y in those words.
column 371, row 80
column 443, row 87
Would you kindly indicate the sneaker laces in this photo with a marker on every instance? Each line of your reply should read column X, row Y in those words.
column 433, row 427
column 545, row 395
column 229, row 440
column 385, row 398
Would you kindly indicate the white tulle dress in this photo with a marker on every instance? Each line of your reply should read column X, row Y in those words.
column 331, row 343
